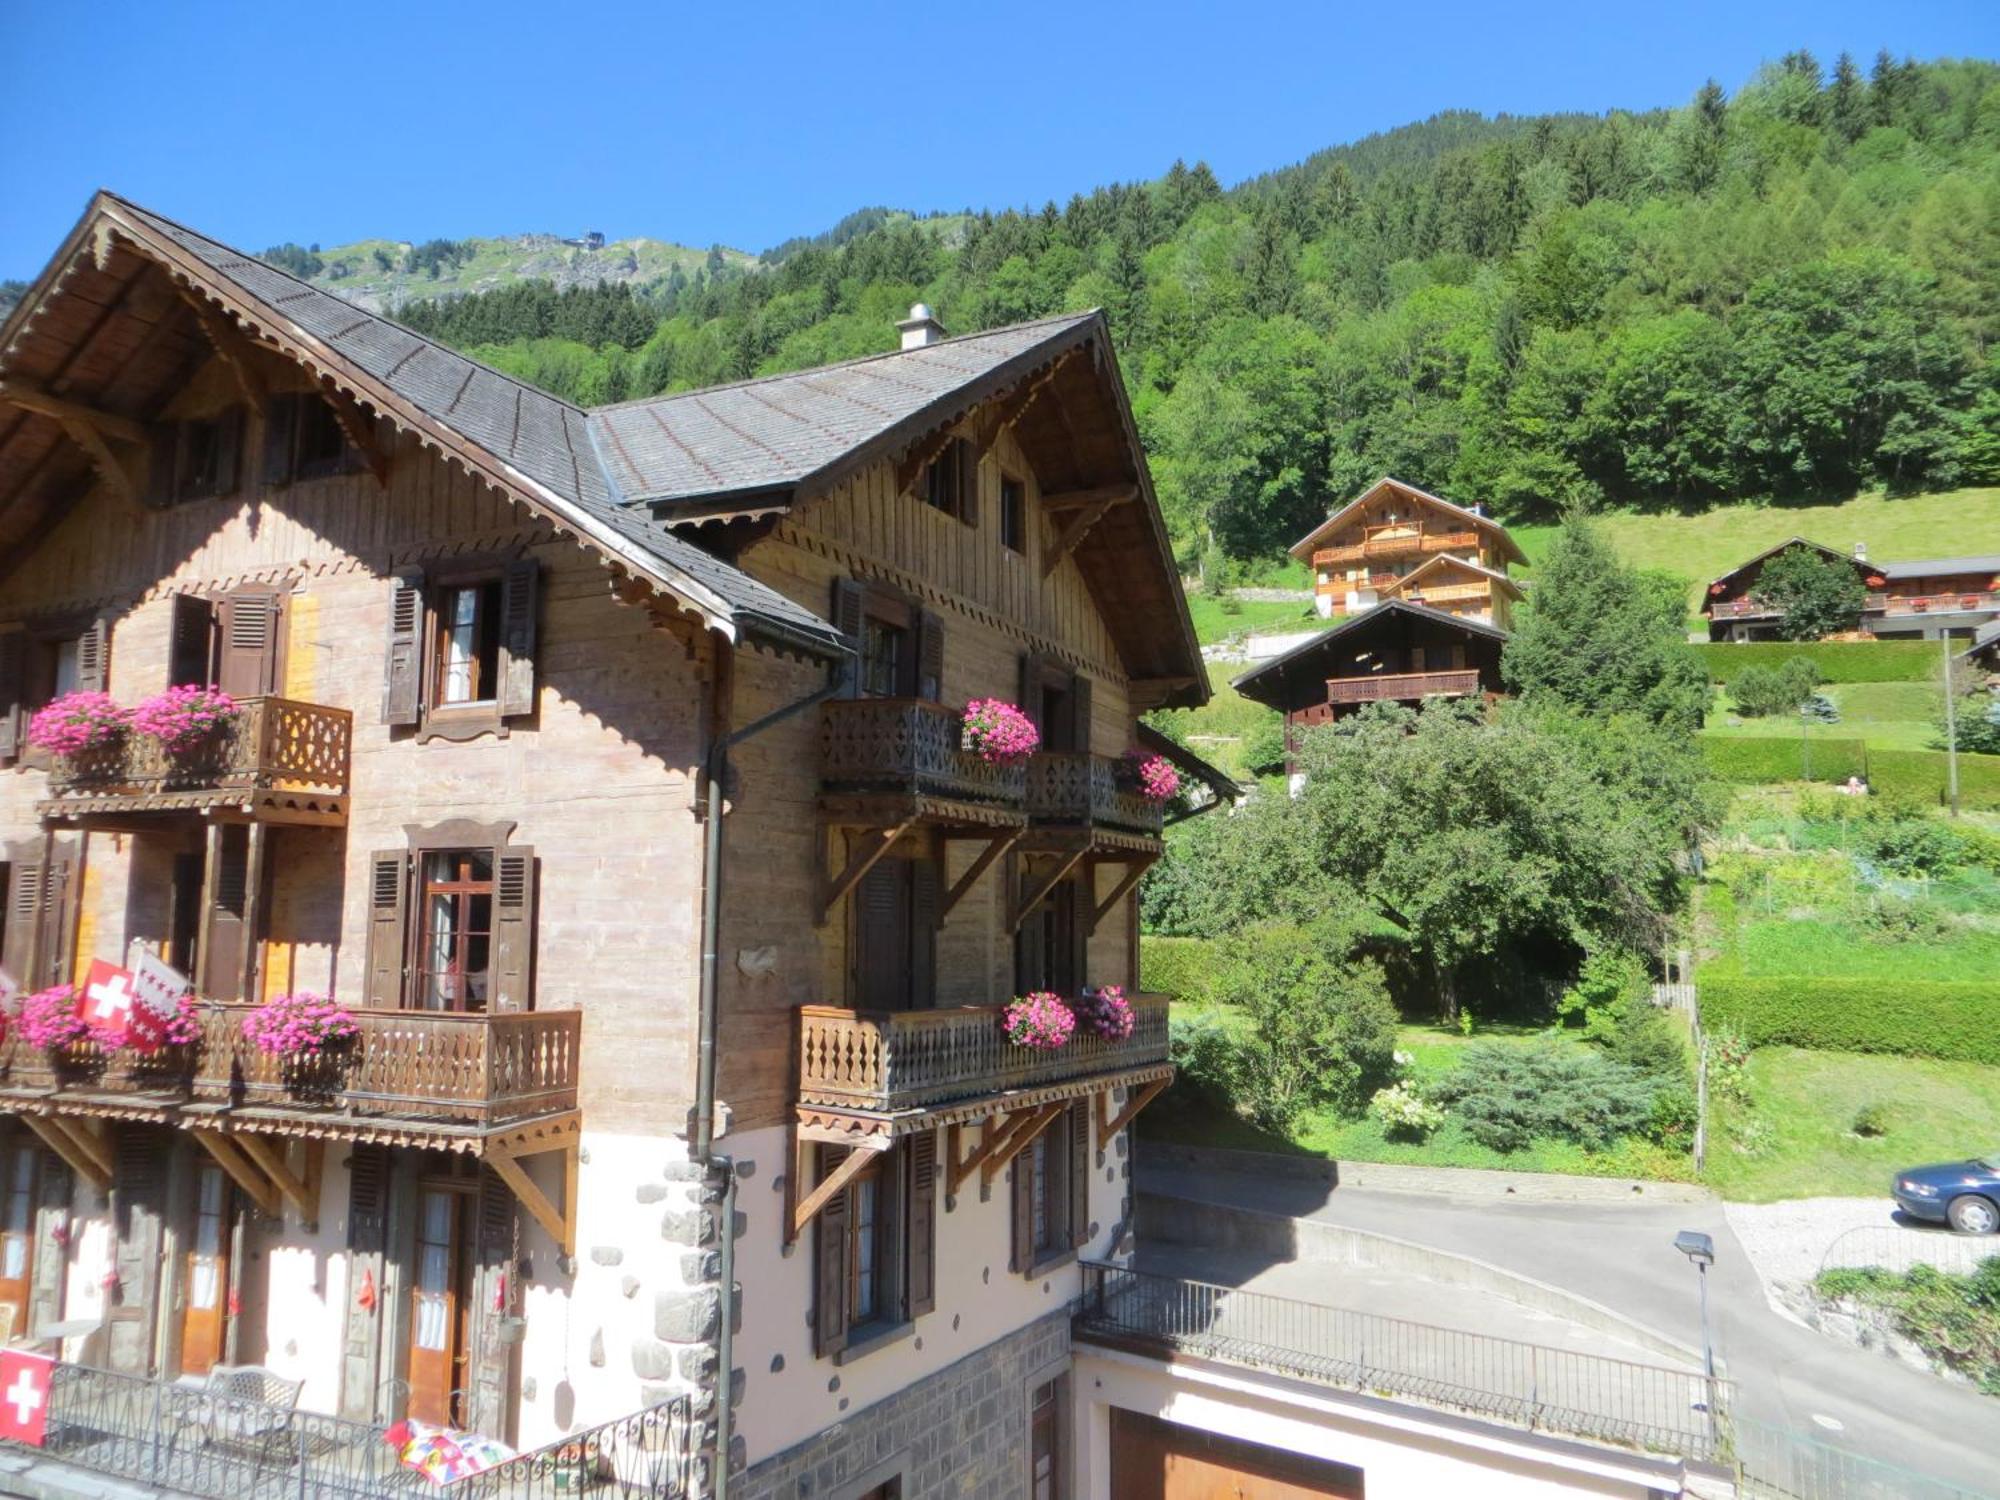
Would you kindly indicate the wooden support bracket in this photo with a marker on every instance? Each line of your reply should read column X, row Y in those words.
column 31, row 397
column 808, row 1207
column 1078, row 527
column 229, row 346
column 560, row 1224
column 1033, row 899
column 919, row 458
column 269, row 1156
column 360, row 433
column 878, row 843
column 992, row 1133
column 1107, row 1129
column 1033, row 1123
column 257, row 1187
column 110, row 468
column 996, row 845
column 1135, row 871
column 86, row 1152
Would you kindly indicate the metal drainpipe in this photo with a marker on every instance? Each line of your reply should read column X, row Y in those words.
column 704, row 1125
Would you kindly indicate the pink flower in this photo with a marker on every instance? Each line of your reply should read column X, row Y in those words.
column 77, row 722
column 1105, row 1013
column 1040, row 1020
column 301, row 1025
column 49, row 1020
column 1158, row 780
column 998, row 732
column 184, row 717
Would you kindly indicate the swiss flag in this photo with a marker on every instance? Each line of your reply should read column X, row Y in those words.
column 24, row 1396
column 112, row 1007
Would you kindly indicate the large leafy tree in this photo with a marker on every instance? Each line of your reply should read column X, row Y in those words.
column 1815, row 595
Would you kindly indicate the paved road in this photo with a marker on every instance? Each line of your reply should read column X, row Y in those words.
column 1622, row 1255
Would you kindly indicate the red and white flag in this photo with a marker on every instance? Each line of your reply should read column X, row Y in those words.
column 158, row 985
column 112, row 1006
column 24, row 1396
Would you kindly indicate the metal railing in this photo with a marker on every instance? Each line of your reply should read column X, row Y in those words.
column 1650, row 1407
column 182, row 1439
column 1775, row 1464
column 1892, row 1247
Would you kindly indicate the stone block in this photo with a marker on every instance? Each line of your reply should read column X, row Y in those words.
column 650, row 1192
column 687, row 1317
column 607, row 1255
column 654, row 1361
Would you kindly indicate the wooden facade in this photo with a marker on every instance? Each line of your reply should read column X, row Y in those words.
column 1395, row 541
column 1951, row 596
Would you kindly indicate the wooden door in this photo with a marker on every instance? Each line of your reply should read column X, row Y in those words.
column 205, row 1273
column 20, row 1171
column 1155, row 1460
column 440, row 1308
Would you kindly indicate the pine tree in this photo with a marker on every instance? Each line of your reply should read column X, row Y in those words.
column 1847, row 101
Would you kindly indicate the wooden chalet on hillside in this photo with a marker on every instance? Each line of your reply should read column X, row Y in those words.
column 1395, row 541
column 1950, row 597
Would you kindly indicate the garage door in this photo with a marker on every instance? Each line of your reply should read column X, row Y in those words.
column 1155, row 1460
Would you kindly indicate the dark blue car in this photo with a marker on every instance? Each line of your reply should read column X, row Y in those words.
column 1963, row 1194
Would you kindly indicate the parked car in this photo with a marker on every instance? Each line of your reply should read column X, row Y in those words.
column 1964, row 1194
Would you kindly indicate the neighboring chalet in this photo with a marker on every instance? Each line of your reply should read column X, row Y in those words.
column 1907, row 601
column 1395, row 541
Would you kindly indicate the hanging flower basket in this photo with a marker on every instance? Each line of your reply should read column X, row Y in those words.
column 184, row 719
column 1041, row 1021
column 300, row 1026
column 1155, row 776
column 998, row 732
column 1105, row 1013
column 78, row 722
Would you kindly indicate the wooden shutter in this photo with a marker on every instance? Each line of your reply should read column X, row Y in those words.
column 1030, row 955
column 226, row 933
column 1079, row 1173
column 1079, row 709
column 51, row 1257
column 24, row 909
column 930, row 656
column 13, row 689
column 1073, row 926
column 138, row 1186
column 191, row 649
column 388, row 904
column 513, row 928
column 968, row 482
column 403, row 672
column 925, row 899
column 162, row 462
column 247, row 664
column 93, row 656
column 922, row 1222
column 228, row 450
column 495, row 1293
column 882, row 937
column 830, row 1265
column 1022, row 1255
column 60, row 889
column 281, row 415
column 849, row 604
column 367, row 1240
column 519, row 587
column 1031, row 689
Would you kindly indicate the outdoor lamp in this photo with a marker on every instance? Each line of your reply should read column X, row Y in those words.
column 1700, row 1251
column 1696, row 1246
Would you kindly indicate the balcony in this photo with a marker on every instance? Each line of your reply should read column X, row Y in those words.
column 1400, row 686
column 1403, row 542
column 1452, row 593
column 903, row 758
column 281, row 761
column 1088, row 792
column 923, row 1063
column 409, row 1074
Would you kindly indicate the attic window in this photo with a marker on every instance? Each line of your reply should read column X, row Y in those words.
column 950, row 481
column 1013, row 514
column 195, row 460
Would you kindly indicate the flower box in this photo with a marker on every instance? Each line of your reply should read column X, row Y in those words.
column 998, row 732
column 184, row 719
column 1040, row 1021
column 77, row 723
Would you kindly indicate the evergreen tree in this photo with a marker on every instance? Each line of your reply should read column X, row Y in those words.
column 1847, row 101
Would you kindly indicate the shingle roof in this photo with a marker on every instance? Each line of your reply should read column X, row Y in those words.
column 777, row 432
column 1302, row 549
column 1368, row 617
column 1936, row 566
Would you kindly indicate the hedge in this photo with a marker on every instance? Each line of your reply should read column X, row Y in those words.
column 1921, row 774
column 1838, row 661
column 1953, row 1020
column 1178, row 966
column 1757, row 758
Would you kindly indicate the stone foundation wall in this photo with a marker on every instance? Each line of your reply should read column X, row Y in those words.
column 962, row 1432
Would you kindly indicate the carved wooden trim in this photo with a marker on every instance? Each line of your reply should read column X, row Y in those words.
column 460, row 833
column 1107, row 1130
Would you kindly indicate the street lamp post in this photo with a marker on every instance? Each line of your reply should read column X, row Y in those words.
column 1700, row 1249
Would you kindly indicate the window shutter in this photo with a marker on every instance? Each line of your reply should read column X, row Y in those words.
column 248, row 664
column 403, row 672
column 924, row 903
column 1030, row 952
column 138, row 1186
column 60, row 887
column 1079, row 1173
column 1022, row 1255
column 24, row 908
column 367, row 1240
column 93, row 656
column 882, row 937
column 191, row 651
column 388, row 901
column 849, row 603
column 228, row 451
column 13, row 687
column 830, row 1268
column 491, row 1359
column 968, row 482
column 161, row 461
column 1079, row 735
column 930, row 656
column 513, row 928
column 1074, row 924
column 281, row 416
column 368, row 1198
column 922, row 1221
column 224, row 939
column 1031, row 688
column 51, row 1258
column 519, row 587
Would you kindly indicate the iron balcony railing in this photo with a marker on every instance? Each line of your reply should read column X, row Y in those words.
column 183, row 1440
column 274, row 744
column 1080, row 790
column 1561, row 1391
column 908, row 747
column 889, row 1061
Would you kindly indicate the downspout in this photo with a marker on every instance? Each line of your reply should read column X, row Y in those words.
column 710, row 988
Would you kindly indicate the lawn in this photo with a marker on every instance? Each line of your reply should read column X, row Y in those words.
column 1794, row 1138
column 1218, row 730
column 1702, row 547
column 1886, row 715
column 1219, row 619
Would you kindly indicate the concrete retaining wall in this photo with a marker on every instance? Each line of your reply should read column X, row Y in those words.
column 1545, row 1187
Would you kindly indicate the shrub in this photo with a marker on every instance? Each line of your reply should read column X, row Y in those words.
column 1205, row 1058
column 1609, row 980
column 1178, row 966
column 1783, row 689
column 1890, row 918
column 1322, row 1027
column 1920, row 776
column 1671, row 1121
column 1646, row 1041
column 1405, row 1114
column 1836, row 661
column 1511, row 1096
column 1871, row 1120
column 1918, row 844
column 1954, row 1319
column 1756, row 761
column 1729, row 1063
column 1950, row 1019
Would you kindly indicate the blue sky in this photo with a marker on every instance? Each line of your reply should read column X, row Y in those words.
column 313, row 122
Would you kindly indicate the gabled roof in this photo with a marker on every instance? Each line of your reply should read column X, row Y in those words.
column 1267, row 676
column 1936, row 567
column 1445, row 560
column 1303, row 548
column 1773, row 551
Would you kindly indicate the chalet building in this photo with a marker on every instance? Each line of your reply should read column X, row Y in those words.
column 1395, row 541
column 1951, row 597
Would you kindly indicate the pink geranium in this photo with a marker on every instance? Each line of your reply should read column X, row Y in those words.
column 1040, row 1020
column 77, row 722
column 49, row 1020
column 184, row 717
column 998, row 732
column 1105, row 1013
column 183, row 1027
column 301, row 1025
column 1158, row 780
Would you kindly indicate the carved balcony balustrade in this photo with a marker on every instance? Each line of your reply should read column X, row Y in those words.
column 1400, row 541
column 278, row 761
column 890, row 760
column 1395, row 686
column 1088, row 791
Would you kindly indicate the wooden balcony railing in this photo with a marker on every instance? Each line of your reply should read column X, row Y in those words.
column 407, row 1066
column 274, row 745
column 891, row 1061
column 1397, row 685
column 1410, row 544
column 907, row 746
column 1088, row 790
column 1878, row 604
column 1450, row 593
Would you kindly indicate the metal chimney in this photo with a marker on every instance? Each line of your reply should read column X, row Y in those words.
column 1861, row 552
column 921, row 327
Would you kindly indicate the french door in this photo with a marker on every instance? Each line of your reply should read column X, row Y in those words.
column 205, row 1277
column 20, row 1172
column 441, row 1309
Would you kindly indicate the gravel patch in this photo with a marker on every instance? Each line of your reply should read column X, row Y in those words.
column 1790, row 1242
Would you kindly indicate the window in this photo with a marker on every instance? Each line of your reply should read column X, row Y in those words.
column 20, row 1173
column 867, row 1223
column 1013, row 514
column 1052, row 1192
column 467, row 666
column 195, row 460
column 1050, row 946
column 876, row 1246
column 1048, row 1404
column 303, row 439
column 461, row 651
column 884, row 652
column 950, row 481
column 900, row 646
column 456, row 944
column 41, row 663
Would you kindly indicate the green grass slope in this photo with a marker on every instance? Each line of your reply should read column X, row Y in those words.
column 353, row 272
